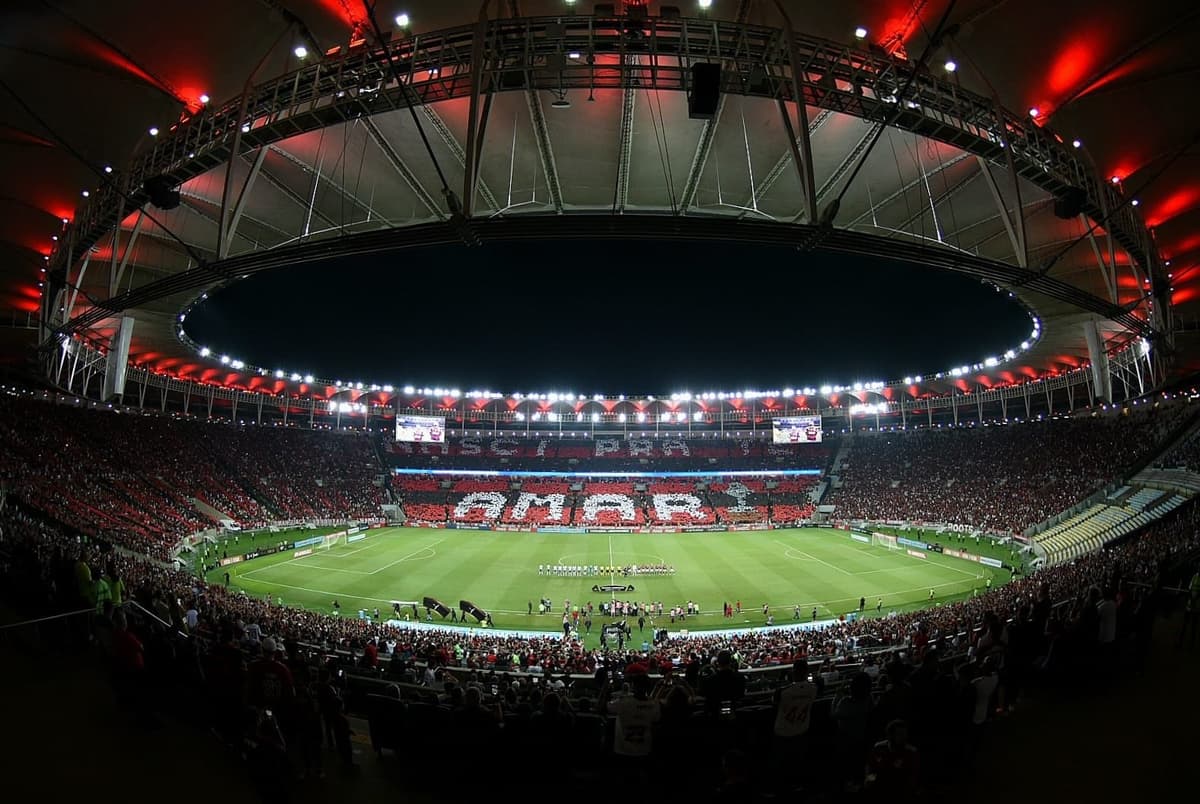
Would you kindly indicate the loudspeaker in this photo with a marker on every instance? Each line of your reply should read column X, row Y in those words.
column 706, row 91
column 163, row 194
column 1070, row 203
column 117, row 359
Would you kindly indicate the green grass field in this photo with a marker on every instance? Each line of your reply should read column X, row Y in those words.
column 498, row 571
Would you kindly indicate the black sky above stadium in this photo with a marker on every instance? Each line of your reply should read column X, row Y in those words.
column 609, row 318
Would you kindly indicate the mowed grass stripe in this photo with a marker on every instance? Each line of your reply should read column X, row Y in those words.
column 498, row 571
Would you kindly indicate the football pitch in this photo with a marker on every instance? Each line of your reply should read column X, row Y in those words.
column 498, row 571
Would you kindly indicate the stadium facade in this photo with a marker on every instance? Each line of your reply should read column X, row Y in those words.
column 555, row 123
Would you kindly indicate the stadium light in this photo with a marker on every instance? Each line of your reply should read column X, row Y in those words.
column 595, row 417
column 951, row 65
column 788, row 392
column 826, row 390
column 620, row 417
column 860, row 32
column 641, row 417
column 153, row 131
column 908, row 380
column 300, row 52
column 237, row 364
column 205, row 351
column 1035, row 112
column 108, row 168
column 705, row 4
column 86, row 193
column 402, row 20
column 408, row 389
column 279, row 374
column 698, row 415
column 204, row 98
column 1116, row 180
column 1135, row 202
column 308, row 378
column 1076, row 144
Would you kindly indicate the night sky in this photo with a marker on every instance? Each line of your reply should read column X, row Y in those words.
column 608, row 317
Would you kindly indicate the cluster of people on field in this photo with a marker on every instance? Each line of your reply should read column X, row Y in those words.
column 595, row 570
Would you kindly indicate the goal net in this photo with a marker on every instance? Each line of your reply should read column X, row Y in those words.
column 884, row 540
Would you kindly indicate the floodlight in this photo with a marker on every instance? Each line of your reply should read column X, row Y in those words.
column 300, row 52
column 860, row 32
column 705, row 3
column 108, row 168
column 408, row 389
column 402, row 20
column 205, row 351
column 308, row 378
column 951, row 65
column 595, row 417
column 279, row 374
column 153, row 131
column 225, row 359
column 1135, row 202
column 1077, row 143
column 204, row 98
column 86, row 193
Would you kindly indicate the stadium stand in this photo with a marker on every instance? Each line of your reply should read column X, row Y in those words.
column 556, row 454
column 416, row 686
column 537, row 501
column 135, row 478
column 1001, row 479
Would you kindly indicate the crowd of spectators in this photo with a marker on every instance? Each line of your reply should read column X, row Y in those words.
column 556, row 454
column 949, row 670
column 1000, row 478
column 1184, row 455
column 622, row 503
column 134, row 478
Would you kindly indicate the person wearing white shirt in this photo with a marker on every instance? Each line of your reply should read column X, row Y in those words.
column 794, row 703
column 636, row 716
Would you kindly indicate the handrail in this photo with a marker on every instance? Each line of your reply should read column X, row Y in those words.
column 47, row 618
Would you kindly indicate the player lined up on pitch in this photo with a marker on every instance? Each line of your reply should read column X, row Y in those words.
column 594, row 570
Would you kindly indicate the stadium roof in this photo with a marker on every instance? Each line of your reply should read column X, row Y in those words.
column 84, row 84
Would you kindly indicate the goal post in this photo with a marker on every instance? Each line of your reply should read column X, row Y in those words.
column 884, row 540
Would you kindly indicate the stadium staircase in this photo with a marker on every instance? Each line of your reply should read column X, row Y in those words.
column 1150, row 494
column 214, row 514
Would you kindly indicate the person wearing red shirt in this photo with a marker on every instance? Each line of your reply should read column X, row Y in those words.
column 270, row 680
column 370, row 654
column 893, row 766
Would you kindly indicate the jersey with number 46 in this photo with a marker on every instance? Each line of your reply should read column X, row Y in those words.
column 795, row 703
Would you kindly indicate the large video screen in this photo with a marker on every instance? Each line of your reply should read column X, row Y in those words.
column 796, row 430
column 421, row 429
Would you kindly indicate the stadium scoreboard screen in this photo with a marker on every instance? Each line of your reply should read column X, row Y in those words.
column 421, row 429
column 796, row 430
